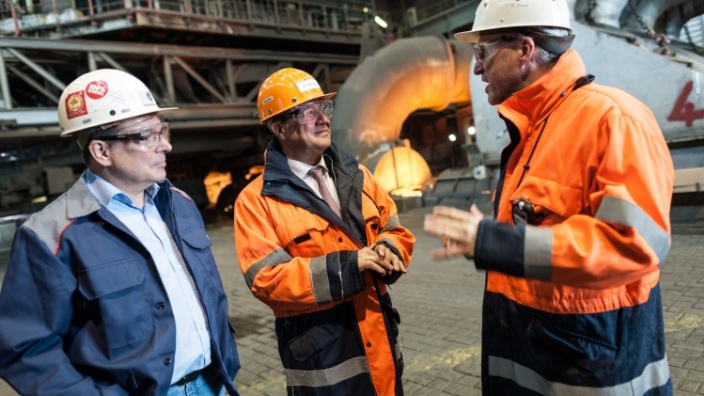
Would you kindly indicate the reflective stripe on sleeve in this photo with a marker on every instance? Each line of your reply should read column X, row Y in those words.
column 327, row 377
column 276, row 257
column 619, row 211
column 655, row 375
column 537, row 256
column 391, row 223
column 319, row 279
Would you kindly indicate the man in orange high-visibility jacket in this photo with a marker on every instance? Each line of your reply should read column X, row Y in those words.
column 572, row 304
column 319, row 249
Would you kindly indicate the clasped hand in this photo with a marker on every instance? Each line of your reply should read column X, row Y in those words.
column 379, row 258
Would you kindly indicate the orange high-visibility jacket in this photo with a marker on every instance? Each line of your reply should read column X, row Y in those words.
column 572, row 298
column 336, row 329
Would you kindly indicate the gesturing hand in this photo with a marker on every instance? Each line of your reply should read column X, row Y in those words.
column 458, row 228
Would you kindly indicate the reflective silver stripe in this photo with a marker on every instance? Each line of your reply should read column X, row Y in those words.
column 391, row 223
column 627, row 213
column 276, row 257
column 655, row 374
column 537, row 253
column 327, row 377
column 319, row 280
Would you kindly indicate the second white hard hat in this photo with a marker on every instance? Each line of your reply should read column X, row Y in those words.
column 506, row 14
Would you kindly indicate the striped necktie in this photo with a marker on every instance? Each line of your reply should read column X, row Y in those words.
column 317, row 174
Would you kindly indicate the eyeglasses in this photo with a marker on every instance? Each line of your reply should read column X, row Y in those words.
column 309, row 113
column 484, row 51
column 146, row 137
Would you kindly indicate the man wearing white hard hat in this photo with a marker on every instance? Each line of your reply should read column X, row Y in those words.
column 112, row 288
column 581, row 224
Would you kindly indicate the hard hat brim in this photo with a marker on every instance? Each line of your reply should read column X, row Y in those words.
column 467, row 37
column 72, row 132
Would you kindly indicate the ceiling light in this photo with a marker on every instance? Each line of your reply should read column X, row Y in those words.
column 380, row 22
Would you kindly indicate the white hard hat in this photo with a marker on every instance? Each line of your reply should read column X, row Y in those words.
column 507, row 14
column 102, row 97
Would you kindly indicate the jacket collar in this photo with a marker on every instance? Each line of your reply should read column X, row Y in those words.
column 534, row 103
column 277, row 168
column 81, row 202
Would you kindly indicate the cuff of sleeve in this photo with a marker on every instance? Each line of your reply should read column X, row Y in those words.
column 393, row 277
column 352, row 281
column 500, row 247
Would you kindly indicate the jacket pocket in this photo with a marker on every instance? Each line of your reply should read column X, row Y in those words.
column 117, row 301
column 581, row 345
column 552, row 202
column 197, row 238
column 311, row 342
column 319, row 340
column 306, row 235
column 197, row 251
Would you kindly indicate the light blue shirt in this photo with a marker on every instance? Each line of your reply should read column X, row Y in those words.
column 192, row 335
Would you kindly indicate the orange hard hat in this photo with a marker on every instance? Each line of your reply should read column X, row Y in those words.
column 286, row 89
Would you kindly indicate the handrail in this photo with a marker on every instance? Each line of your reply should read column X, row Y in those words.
column 303, row 14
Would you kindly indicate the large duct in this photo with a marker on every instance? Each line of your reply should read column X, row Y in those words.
column 406, row 75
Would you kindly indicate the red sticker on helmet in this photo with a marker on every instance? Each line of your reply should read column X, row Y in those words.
column 76, row 105
column 97, row 89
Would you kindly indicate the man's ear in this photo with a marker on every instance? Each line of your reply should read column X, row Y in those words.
column 278, row 130
column 100, row 151
column 527, row 49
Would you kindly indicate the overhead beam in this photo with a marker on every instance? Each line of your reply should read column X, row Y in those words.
column 114, row 47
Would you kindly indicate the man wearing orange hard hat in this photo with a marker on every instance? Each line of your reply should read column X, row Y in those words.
column 318, row 240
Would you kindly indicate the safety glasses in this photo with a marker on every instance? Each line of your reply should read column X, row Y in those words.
column 309, row 112
column 485, row 50
column 147, row 137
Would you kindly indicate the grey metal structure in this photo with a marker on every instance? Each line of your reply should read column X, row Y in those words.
column 212, row 96
column 206, row 57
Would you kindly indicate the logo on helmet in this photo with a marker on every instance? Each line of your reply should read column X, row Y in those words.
column 146, row 98
column 76, row 105
column 307, row 84
column 97, row 89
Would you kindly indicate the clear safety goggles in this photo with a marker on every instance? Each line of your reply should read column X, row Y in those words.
column 147, row 137
column 485, row 50
column 309, row 112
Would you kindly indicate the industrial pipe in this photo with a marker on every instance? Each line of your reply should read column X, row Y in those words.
column 407, row 75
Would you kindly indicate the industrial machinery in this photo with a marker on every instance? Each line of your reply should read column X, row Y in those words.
column 206, row 57
column 409, row 108
column 432, row 72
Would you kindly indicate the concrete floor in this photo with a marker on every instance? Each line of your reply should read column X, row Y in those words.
column 440, row 305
